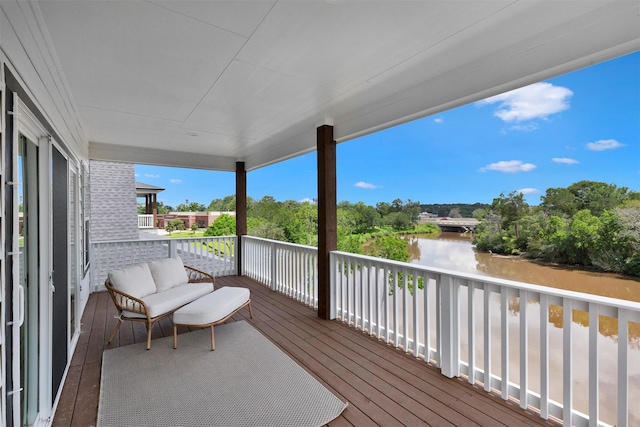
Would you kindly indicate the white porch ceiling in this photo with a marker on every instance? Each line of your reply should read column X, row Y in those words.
column 205, row 84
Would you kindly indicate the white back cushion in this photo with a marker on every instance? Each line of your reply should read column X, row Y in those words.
column 168, row 273
column 135, row 281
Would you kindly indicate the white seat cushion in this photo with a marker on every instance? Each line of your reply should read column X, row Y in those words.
column 169, row 300
column 168, row 273
column 212, row 307
column 136, row 281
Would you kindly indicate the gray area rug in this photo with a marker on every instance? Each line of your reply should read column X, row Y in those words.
column 246, row 381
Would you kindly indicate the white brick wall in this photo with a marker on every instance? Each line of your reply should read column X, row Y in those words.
column 114, row 210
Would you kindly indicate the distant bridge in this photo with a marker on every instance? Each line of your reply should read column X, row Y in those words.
column 457, row 225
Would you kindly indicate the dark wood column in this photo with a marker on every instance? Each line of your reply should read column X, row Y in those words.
column 241, row 210
column 154, row 208
column 327, row 215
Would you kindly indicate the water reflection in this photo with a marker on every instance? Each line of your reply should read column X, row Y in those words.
column 450, row 251
column 455, row 252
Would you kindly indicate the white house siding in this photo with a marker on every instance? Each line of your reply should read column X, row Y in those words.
column 114, row 211
column 29, row 68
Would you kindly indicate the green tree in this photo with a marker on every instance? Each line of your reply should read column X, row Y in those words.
column 412, row 210
column 348, row 242
column 194, row 227
column 489, row 234
column 174, row 224
column 396, row 204
column 365, row 216
column 225, row 225
column 390, row 247
column 268, row 230
column 397, row 220
column 191, row 207
column 511, row 208
column 384, row 208
column 164, row 209
column 226, row 204
column 307, row 216
column 558, row 201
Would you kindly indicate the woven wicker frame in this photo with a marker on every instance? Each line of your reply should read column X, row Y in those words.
column 125, row 302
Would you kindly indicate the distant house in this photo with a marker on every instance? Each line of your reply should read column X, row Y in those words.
column 150, row 194
column 203, row 219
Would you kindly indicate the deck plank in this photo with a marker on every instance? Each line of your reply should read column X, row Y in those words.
column 383, row 385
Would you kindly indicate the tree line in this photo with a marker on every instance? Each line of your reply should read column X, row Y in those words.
column 591, row 224
column 362, row 228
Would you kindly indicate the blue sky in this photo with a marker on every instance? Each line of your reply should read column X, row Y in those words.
column 580, row 126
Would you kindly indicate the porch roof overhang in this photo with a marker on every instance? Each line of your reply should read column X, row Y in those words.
column 208, row 84
column 143, row 189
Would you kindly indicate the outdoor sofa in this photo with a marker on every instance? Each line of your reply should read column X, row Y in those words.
column 151, row 291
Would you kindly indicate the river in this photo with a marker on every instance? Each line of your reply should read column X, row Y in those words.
column 455, row 252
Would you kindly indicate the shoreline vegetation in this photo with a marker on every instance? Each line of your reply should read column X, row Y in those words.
column 589, row 225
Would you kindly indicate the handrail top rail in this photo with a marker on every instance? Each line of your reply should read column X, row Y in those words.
column 278, row 242
column 574, row 295
column 160, row 239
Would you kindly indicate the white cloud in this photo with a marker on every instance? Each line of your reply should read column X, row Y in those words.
column 365, row 185
column 438, row 120
column 175, row 181
column 148, row 175
column 604, row 144
column 509, row 166
column 565, row 160
column 536, row 101
column 137, row 175
column 308, row 200
column 529, row 127
column 528, row 191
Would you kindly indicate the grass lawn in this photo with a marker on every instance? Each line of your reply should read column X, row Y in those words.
column 186, row 233
column 212, row 246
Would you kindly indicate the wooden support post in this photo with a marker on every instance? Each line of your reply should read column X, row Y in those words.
column 327, row 216
column 154, row 209
column 241, row 212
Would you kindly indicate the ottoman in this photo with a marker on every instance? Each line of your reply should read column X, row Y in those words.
column 211, row 309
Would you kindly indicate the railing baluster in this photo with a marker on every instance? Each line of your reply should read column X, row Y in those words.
column 594, row 413
column 487, row 336
column 396, row 334
column 385, row 282
column 504, row 339
column 544, row 356
column 369, row 319
column 416, row 309
column 471, row 335
column 524, row 351
column 427, row 318
column 567, row 365
column 405, row 309
column 623, row 368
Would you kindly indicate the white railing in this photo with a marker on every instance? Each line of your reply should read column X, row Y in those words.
column 214, row 255
column 284, row 267
column 472, row 325
column 145, row 221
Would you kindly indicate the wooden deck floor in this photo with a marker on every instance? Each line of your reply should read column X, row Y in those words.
column 382, row 385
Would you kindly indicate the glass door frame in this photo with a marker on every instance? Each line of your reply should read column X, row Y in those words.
column 27, row 125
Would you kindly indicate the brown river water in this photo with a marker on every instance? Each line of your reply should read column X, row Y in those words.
column 455, row 252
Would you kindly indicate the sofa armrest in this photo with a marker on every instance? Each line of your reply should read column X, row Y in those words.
column 126, row 302
column 198, row 276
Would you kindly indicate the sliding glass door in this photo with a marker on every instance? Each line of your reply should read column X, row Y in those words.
column 29, row 227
